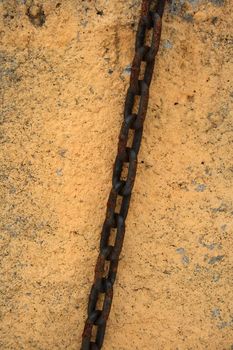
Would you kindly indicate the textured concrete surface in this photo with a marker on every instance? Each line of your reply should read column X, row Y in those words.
column 64, row 73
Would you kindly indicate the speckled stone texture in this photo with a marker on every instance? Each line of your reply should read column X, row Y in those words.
column 64, row 73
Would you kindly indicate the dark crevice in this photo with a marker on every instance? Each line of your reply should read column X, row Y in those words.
column 36, row 15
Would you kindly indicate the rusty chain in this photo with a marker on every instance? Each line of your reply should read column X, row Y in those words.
column 119, row 199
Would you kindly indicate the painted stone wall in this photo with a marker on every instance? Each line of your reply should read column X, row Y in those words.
column 65, row 69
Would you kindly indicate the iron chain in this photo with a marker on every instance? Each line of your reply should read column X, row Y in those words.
column 114, row 224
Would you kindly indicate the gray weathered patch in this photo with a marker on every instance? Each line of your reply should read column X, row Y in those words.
column 216, row 259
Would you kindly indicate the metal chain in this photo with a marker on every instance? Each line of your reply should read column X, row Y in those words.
column 101, row 294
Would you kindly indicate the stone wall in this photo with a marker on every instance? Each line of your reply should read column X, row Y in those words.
column 65, row 69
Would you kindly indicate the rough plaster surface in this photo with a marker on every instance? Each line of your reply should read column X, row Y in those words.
column 64, row 73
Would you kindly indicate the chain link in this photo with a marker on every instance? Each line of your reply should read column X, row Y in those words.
column 126, row 159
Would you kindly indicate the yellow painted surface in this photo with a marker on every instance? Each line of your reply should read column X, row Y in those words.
column 63, row 86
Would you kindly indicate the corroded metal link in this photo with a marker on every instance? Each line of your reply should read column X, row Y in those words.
column 155, row 41
column 139, row 57
column 129, row 103
column 123, row 137
column 119, row 198
column 160, row 7
column 112, row 251
column 143, row 104
column 99, row 337
column 149, row 72
column 132, row 168
column 137, row 140
column 118, row 241
column 145, row 23
column 145, row 8
column 111, row 204
column 104, row 313
column 105, row 234
column 131, row 158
